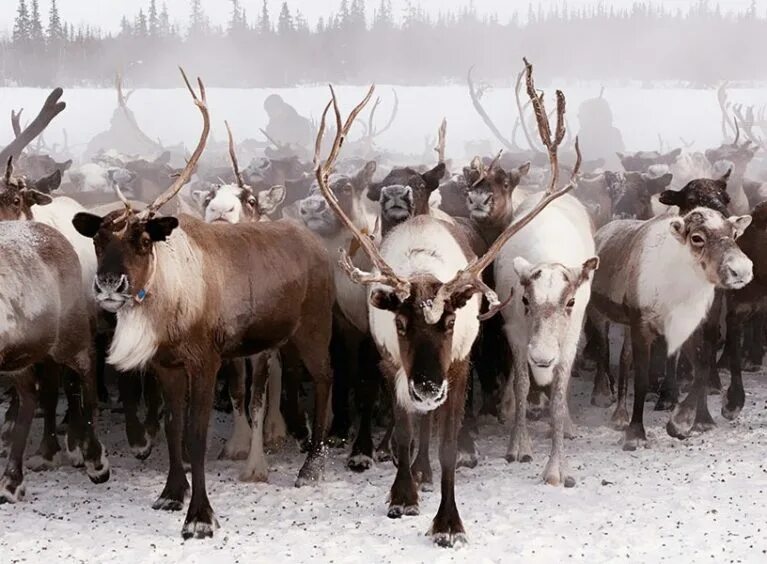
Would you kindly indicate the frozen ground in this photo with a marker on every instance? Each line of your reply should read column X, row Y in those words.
column 701, row 500
column 641, row 113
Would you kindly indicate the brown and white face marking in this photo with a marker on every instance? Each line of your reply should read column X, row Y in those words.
column 231, row 204
column 550, row 294
column 425, row 349
column 490, row 200
column 422, row 185
column 349, row 190
column 700, row 193
column 710, row 238
column 397, row 206
column 125, row 253
column 17, row 198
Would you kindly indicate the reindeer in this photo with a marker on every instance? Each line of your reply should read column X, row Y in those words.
column 544, row 274
column 237, row 203
column 634, row 287
column 188, row 294
column 424, row 319
column 46, row 322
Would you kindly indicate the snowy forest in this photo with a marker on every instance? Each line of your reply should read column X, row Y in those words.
column 645, row 42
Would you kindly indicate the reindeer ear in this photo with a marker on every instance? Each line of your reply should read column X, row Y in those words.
column 433, row 177
column 32, row 197
column 740, row 223
column 365, row 176
column 87, row 224
column 384, row 299
column 199, row 196
column 269, row 200
column 620, row 155
column 524, row 169
column 678, row 229
column 672, row 156
column 374, row 192
column 671, row 198
column 725, row 177
column 587, row 270
column 159, row 229
column 522, row 267
column 49, row 183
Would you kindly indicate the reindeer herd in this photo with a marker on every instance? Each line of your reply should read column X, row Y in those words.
column 411, row 289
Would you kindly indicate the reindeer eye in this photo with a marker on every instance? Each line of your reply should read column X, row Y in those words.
column 525, row 301
column 252, row 202
column 571, row 303
column 16, row 201
column 400, row 323
column 697, row 240
column 450, row 324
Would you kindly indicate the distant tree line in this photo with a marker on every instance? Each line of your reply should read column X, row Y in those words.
column 702, row 46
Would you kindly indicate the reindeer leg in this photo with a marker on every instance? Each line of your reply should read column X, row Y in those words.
column 711, row 342
column 361, row 457
column 12, row 487
column 236, row 448
column 129, row 384
column 152, row 401
column 736, row 396
column 295, row 417
column 519, row 449
column 602, row 394
column 620, row 417
column 345, row 357
column 275, row 429
column 641, row 339
column 173, row 384
column 403, row 499
column 691, row 413
column 200, row 519
column 447, row 529
column 421, row 468
column 669, row 390
column 556, row 471
column 256, row 468
column 6, row 431
column 48, row 455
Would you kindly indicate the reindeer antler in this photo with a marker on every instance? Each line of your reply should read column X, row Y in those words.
column 233, row 157
column 386, row 274
column 471, row 275
column 441, row 137
column 8, row 171
column 186, row 174
column 521, row 108
column 483, row 114
column 484, row 171
column 721, row 95
column 51, row 108
column 16, row 122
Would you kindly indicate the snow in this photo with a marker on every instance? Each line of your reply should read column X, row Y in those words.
column 700, row 500
column 641, row 113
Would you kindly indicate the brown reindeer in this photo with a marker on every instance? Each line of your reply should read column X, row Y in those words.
column 45, row 322
column 424, row 319
column 189, row 294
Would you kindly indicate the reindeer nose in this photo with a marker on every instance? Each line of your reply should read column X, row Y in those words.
column 111, row 283
column 312, row 206
column 544, row 362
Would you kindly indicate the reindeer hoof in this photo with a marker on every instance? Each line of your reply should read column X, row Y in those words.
column 731, row 413
column 703, row 426
column 254, row 475
column 680, row 423
column 449, row 540
column 10, row 492
column 359, row 463
column 602, row 400
column 142, row 452
column 38, row 463
column 74, row 453
column 168, row 504
column 200, row 526
column 397, row 511
column 466, row 460
column 98, row 472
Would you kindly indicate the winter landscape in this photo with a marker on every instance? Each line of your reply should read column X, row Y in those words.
column 496, row 295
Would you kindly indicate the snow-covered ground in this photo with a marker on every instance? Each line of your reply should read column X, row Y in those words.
column 700, row 500
column 641, row 113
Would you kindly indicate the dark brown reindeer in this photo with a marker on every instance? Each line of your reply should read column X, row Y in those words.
column 424, row 319
column 45, row 323
column 188, row 294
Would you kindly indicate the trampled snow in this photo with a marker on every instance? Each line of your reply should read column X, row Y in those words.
column 699, row 500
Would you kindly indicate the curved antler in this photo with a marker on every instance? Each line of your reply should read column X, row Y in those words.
column 233, row 157
column 471, row 275
column 386, row 274
column 483, row 114
column 51, row 108
column 16, row 122
column 521, row 110
column 186, row 174
column 8, row 171
column 441, row 138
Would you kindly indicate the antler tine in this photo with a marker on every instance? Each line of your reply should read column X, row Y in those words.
column 16, row 122
column 737, row 132
column 485, row 171
column 233, row 157
column 371, row 132
column 183, row 178
column 521, row 110
column 8, row 171
column 483, row 114
column 393, row 115
column 441, row 138
column 561, row 107
column 471, row 275
column 385, row 273
column 123, row 199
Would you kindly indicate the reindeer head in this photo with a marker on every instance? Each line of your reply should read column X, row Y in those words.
column 234, row 204
column 17, row 198
column 632, row 192
column 550, row 294
column 710, row 238
column 643, row 160
column 700, row 193
column 320, row 218
column 422, row 185
column 397, row 206
column 732, row 157
column 125, row 240
column 488, row 193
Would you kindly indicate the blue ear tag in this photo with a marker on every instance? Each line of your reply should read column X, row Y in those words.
column 141, row 295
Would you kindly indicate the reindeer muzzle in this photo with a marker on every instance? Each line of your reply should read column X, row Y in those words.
column 111, row 293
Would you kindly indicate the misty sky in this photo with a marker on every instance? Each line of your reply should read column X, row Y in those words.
column 106, row 13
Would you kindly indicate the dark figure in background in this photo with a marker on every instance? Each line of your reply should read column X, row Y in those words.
column 599, row 138
column 287, row 128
